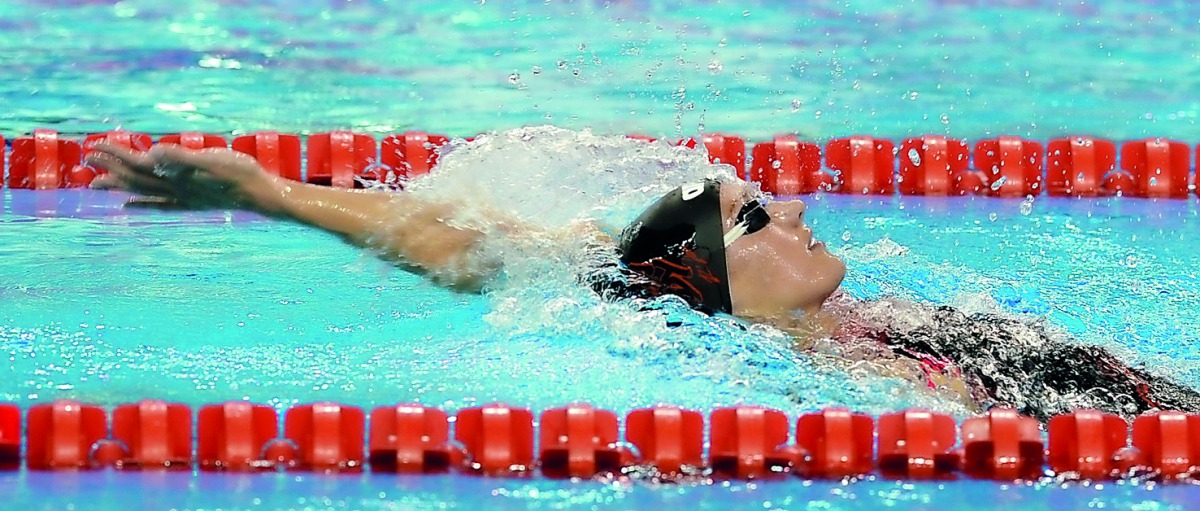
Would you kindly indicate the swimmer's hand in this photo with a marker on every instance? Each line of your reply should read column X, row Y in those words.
column 172, row 176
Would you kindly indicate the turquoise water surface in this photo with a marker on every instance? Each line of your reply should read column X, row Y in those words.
column 107, row 305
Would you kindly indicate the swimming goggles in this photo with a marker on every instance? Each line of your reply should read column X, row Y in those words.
column 753, row 217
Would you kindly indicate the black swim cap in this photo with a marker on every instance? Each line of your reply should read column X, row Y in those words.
column 678, row 242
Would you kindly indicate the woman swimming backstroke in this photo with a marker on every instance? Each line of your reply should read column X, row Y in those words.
column 717, row 244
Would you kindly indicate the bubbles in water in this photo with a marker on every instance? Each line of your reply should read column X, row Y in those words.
column 846, row 236
column 913, row 95
column 945, row 119
column 715, row 66
column 995, row 186
column 1131, row 261
column 992, row 216
column 537, row 70
column 745, row 13
column 796, row 104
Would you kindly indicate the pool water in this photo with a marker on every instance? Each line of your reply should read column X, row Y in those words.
column 109, row 305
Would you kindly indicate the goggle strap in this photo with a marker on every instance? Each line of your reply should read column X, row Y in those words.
column 735, row 233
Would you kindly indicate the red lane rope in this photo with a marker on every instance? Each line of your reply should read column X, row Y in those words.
column 581, row 441
column 1004, row 166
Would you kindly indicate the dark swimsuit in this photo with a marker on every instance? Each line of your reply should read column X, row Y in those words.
column 1041, row 379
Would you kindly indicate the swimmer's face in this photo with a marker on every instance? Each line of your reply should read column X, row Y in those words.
column 780, row 268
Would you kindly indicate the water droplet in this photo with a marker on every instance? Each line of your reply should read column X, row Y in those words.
column 992, row 217
column 745, row 13
column 715, row 66
column 537, row 70
column 514, row 78
column 796, row 104
column 723, row 42
column 562, row 65
column 846, row 236
column 1027, row 205
column 914, row 156
column 945, row 119
column 913, row 95
column 1131, row 261
column 775, row 164
column 998, row 183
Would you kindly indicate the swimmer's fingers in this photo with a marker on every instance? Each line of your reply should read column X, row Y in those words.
column 124, row 177
column 103, row 153
column 160, row 203
column 222, row 164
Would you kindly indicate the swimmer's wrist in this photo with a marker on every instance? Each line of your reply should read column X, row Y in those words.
column 267, row 195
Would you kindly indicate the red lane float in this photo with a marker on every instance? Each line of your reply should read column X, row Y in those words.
column 866, row 165
column 1169, row 443
column 43, row 161
column 748, row 442
column 278, row 154
column 786, row 166
column 727, row 149
column 916, row 444
column 936, row 165
column 154, row 435
column 10, row 437
column 1088, row 443
column 1077, row 166
column 140, row 142
column 580, row 441
column 328, row 437
column 836, row 442
column 234, row 436
column 1159, row 168
column 1012, row 166
column 336, row 159
column 411, row 439
column 194, row 140
column 668, row 437
column 1002, row 446
column 498, row 438
column 61, row 435
column 411, row 154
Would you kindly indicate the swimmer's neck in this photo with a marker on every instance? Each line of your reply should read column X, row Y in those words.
column 804, row 324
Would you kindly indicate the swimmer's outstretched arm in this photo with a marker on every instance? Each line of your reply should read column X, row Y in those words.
column 413, row 232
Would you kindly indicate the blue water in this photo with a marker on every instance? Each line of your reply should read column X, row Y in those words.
column 230, row 491
column 110, row 306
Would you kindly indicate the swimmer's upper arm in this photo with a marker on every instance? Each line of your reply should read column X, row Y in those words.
column 416, row 233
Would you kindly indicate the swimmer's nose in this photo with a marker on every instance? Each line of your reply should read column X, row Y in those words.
column 791, row 211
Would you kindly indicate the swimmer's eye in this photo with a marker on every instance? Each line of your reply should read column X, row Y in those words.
column 753, row 217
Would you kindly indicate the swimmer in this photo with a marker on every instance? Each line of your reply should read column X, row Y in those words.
column 719, row 245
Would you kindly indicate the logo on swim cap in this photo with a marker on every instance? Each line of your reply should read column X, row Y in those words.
column 691, row 191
